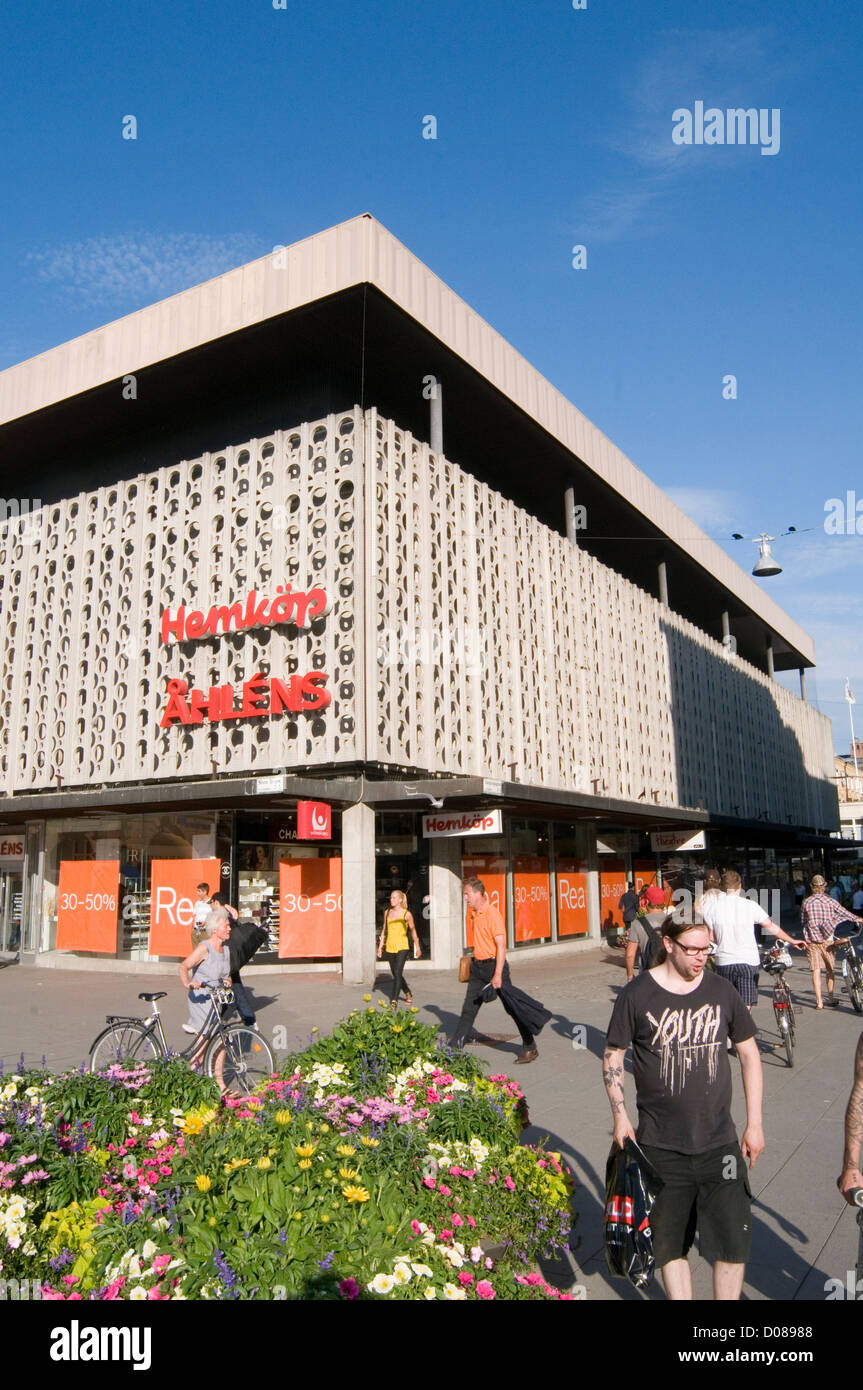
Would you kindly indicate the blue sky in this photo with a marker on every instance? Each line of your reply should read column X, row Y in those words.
column 258, row 126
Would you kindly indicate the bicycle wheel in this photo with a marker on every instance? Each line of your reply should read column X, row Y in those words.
column 244, row 1057
column 122, row 1042
column 786, row 1034
column 855, row 984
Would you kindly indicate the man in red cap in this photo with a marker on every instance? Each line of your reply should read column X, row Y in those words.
column 644, row 930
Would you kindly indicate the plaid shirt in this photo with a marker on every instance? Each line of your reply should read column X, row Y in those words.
column 821, row 915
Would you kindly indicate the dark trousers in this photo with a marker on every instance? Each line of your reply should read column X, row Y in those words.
column 397, row 966
column 481, row 972
column 242, row 999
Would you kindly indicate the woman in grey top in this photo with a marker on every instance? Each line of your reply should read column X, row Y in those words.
column 210, row 964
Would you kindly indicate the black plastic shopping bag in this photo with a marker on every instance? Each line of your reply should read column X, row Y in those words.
column 631, row 1188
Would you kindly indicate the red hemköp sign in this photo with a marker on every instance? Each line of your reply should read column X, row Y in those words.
column 314, row 820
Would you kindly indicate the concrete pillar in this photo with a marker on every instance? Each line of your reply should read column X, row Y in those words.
column 436, row 419
column 802, row 683
column 663, row 583
column 358, row 895
column 447, row 902
column 769, row 653
column 569, row 508
column 726, row 623
column 594, row 892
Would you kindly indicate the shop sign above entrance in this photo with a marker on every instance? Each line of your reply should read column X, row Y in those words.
column 613, row 843
column 270, row 786
column 314, row 820
column 11, row 850
column 664, row 840
column 436, row 826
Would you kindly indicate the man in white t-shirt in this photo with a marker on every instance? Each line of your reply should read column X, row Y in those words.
column 732, row 919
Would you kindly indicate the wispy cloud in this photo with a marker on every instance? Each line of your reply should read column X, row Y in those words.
column 713, row 509
column 129, row 269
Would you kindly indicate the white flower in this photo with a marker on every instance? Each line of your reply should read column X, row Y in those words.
column 138, row 1294
column 428, row 1238
column 476, row 1254
column 401, row 1273
column 430, row 1293
column 160, row 1223
column 134, row 1268
column 382, row 1283
column 452, row 1293
column 32, row 1091
column 455, row 1259
column 150, row 1249
column 29, row 1248
column 422, row 1271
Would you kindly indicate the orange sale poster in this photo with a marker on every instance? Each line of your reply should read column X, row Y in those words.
column 87, row 905
column 532, row 898
column 491, row 868
column 612, row 879
column 643, row 873
column 571, row 897
column 310, row 909
column 173, row 895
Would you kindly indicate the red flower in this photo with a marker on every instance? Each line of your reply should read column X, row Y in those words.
column 349, row 1288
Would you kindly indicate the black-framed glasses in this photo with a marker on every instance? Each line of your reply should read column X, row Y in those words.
column 695, row 950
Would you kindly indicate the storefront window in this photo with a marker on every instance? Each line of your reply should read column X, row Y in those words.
column 402, row 862
column 570, row 861
column 612, row 884
column 291, row 887
column 488, row 865
column 530, row 882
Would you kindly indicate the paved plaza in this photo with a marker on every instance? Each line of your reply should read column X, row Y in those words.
column 804, row 1234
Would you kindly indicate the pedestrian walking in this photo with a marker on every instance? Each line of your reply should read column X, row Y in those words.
column 242, row 998
column 678, row 1017
column 398, row 922
column 821, row 916
column 202, row 910
column 628, row 904
column 489, row 974
column 732, row 920
column 643, row 933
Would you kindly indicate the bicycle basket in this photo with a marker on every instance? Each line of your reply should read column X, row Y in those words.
column 223, row 996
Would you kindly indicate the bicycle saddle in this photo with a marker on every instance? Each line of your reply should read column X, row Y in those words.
column 150, row 997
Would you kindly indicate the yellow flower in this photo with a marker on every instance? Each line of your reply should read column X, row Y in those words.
column 346, row 1150
column 325, row 1129
column 305, row 1163
column 193, row 1124
column 414, row 1009
column 328, row 1172
column 355, row 1194
column 348, row 1173
column 208, row 1115
column 202, row 1182
column 309, row 1125
column 314, row 1030
column 298, row 1216
column 366, row 998
column 370, row 1010
column 211, row 1221
column 397, row 1028
column 253, row 1101
column 283, row 1117
column 304, row 1150
column 325, row 1216
column 265, row 1163
column 369, row 1143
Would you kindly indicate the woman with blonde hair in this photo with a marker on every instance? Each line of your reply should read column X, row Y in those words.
column 394, row 940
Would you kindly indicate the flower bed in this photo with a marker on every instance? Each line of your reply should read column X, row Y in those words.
column 371, row 1166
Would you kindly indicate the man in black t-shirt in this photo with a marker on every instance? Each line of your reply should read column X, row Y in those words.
column 678, row 1019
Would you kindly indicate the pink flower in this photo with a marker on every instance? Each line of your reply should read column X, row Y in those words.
column 471, row 1223
column 533, row 1278
column 446, row 1234
column 541, row 1163
column 484, row 1289
column 489, row 1264
column 70, row 1278
column 415, row 1227
column 464, row 1277
column 151, row 1176
column 349, row 1288
column 165, row 1169
column 429, row 1182
column 444, row 1190
column 161, row 1261
column 510, row 1185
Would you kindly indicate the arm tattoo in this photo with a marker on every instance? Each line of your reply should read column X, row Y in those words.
column 854, row 1113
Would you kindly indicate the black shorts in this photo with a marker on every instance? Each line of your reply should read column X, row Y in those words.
column 709, row 1193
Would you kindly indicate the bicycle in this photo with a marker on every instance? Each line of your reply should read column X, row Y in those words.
column 775, row 961
column 852, row 968
column 236, row 1056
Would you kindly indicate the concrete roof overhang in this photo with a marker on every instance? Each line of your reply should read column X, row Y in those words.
column 351, row 316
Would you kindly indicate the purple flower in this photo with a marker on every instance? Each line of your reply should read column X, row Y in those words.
column 226, row 1275
column 64, row 1258
column 327, row 1260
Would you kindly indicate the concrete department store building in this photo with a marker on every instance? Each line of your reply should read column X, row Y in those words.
column 313, row 532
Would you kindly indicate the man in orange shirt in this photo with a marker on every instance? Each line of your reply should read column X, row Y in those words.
column 490, row 972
